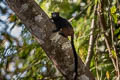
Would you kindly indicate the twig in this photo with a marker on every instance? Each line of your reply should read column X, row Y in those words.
column 112, row 37
column 75, row 17
column 91, row 41
column 107, row 38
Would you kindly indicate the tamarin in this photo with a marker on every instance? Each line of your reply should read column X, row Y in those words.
column 65, row 29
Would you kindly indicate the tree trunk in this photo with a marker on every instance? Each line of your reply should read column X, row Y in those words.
column 57, row 48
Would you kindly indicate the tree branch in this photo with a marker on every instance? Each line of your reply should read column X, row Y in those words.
column 91, row 41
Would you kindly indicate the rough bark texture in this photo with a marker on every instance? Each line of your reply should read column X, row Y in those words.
column 57, row 48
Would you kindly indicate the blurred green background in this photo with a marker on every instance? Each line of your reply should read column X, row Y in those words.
column 21, row 57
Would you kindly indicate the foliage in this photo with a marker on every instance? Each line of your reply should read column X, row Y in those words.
column 21, row 57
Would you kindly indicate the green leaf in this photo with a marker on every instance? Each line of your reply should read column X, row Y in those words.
column 115, row 17
column 96, row 1
column 118, row 36
column 114, row 54
column 113, row 9
column 40, row 77
column 117, row 31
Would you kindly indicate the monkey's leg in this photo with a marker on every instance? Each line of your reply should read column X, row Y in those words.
column 62, row 34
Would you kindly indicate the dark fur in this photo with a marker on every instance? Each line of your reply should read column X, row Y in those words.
column 65, row 29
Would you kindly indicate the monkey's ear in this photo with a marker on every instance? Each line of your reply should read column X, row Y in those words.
column 52, row 14
column 55, row 14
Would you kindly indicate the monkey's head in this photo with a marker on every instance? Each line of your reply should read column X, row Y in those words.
column 55, row 14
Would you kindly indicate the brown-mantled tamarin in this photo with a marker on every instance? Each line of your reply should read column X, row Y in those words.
column 65, row 29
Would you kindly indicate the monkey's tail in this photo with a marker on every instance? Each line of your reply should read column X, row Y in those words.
column 75, row 58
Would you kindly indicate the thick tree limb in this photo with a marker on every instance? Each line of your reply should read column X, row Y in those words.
column 56, row 47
